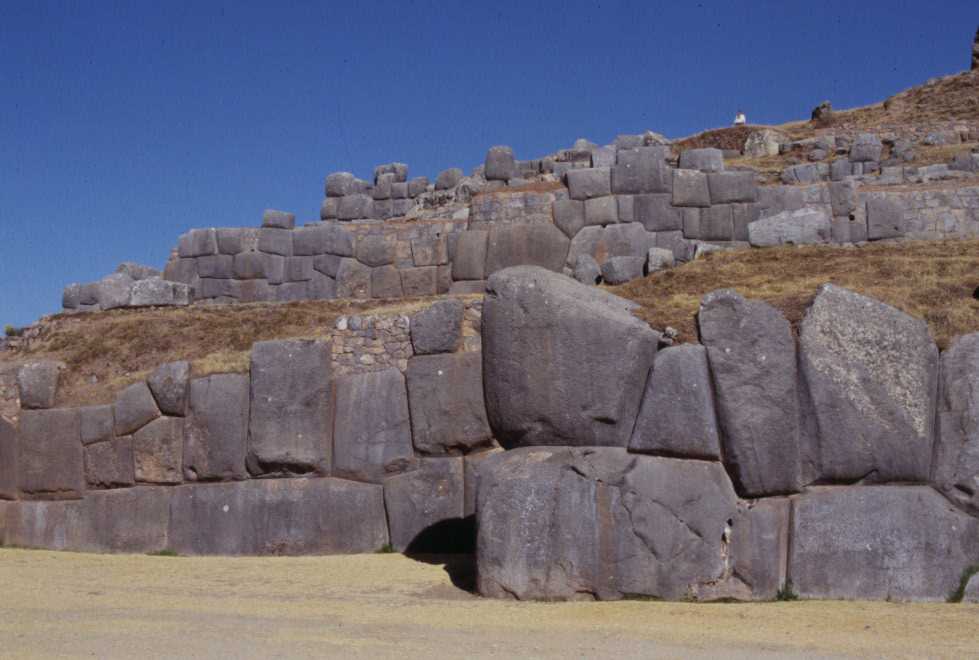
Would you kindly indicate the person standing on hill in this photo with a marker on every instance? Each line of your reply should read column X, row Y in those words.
column 739, row 119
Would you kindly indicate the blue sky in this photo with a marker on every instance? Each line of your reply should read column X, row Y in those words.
column 123, row 124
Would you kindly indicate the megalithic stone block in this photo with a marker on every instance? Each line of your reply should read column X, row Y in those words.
column 216, row 430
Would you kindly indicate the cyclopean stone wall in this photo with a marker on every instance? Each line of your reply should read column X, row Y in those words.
column 838, row 464
column 610, row 213
column 306, row 453
column 836, row 461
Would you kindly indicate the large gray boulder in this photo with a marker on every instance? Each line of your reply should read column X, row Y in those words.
column 134, row 408
column 448, row 179
column 619, row 270
column 885, row 218
column 445, row 397
column 170, row 385
column 470, row 256
column 279, row 219
column 872, row 374
column 541, row 245
column 587, row 270
column 641, row 170
column 866, row 148
column 569, row 216
column 339, row 184
column 49, row 454
column 588, row 183
column 893, row 542
column 37, row 384
column 730, row 187
column 96, row 423
column 216, row 429
column 278, row 517
column 290, row 429
column 601, row 243
column 563, row 363
column 115, row 291
column 109, row 464
column 438, row 328
column 753, row 361
column 956, row 469
column 158, row 450
column 372, row 431
column 573, row 523
column 353, row 279
column 137, row 271
column 499, row 165
column 705, row 160
column 677, row 416
column 803, row 227
column 419, row 501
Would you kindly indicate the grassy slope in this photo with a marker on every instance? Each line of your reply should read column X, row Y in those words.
column 933, row 280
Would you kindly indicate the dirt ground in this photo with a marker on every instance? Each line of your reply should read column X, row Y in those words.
column 69, row 605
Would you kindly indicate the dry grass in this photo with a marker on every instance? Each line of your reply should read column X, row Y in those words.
column 933, row 280
column 534, row 186
column 105, row 351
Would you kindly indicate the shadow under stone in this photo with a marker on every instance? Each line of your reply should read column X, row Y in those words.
column 452, row 545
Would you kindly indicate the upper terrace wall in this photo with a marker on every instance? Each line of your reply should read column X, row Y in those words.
column 599, row 210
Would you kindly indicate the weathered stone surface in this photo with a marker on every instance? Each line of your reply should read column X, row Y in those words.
column 198, row 243
column 372, row 432
column 382, row 187
column 569, row 216
column 641, row 170
column 137, row 271
column 716, row 223
column 619, row 270
column 658, row 258
column 109, row 464
column 601, row 211
column 656, row 214
column 616, row 524
column 291, row 291
column 279, row 219
column 677, row 416
column 216, row 430
column 278, row 517
column 134, row 408
column 330, row 208
column 627, row 207
column 894, row 542
column 843, row 197
column 499, row 165
column 690, row 188
column 449, row 178
column 169, row 385
column 275, row 241
column 470, row 256
column 219, row 266
column 115, row 291
column 729, row 187
column 250, row 265
column 516, row 245
column 158, row 292
column 760, row 548
column 353, row 279
column 290, row 424
column 8, row 465
column 866, row 148
column 126, row 520
column 355, row 207
column 588, row 183
column 802, row 227
column 416, row 186
column 158, row 450
column 386, row 282
column 705, row 160
column 376, row 250
column 885, row 219
column 587, row 270
column 752, row 357
column 445, row 397
column 49, row 454
column 956, row 469
column 761, row 143
column 421, row 499
column 96, row 423
column 429, row 251
column 467, row 287
column 601, row 243
column 563, row 363
column 438, row 328
column 339, row 184
column 872, row 373
column 419, row 281
column 37, row 384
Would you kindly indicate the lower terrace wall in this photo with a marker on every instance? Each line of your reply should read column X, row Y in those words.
column 721, row 470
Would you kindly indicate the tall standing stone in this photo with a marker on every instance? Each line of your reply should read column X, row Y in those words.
column 217, row 428
column 372, row 433
column 872, row 374
column 753, row 361
column 49, row 454
column 563, row 363
column 956, row 470
column 8, row 461
column 419, row 500
column 290, row 428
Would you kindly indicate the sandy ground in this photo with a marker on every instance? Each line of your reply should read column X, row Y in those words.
column 109, row 606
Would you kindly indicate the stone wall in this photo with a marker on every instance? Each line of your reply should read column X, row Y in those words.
column 725, row 469
column 315, row 450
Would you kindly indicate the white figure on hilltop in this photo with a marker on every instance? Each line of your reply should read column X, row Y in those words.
column 739, row 119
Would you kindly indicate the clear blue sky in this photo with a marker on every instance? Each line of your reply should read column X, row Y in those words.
column 123, row 124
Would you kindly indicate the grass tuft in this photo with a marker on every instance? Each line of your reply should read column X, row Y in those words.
column 166, row 552
column 959, row 593
column 386, row 549
column 786, row 593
